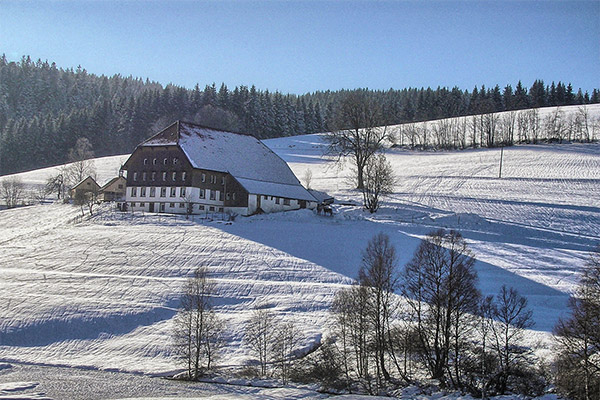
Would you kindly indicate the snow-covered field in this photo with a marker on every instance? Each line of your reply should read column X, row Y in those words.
column 100, row 293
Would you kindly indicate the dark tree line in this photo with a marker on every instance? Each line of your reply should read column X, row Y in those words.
column 44, row 109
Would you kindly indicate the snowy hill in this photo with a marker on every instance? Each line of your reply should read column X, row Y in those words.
column 101, row 292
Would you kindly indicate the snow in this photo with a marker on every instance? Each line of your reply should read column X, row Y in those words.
column 243, row 156
column 101, row 292
column 276, row 189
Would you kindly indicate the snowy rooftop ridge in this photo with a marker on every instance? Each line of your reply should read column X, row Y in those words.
column 243, row 156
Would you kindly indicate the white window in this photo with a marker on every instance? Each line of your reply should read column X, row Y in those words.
column 135, row 176
column 211, row 208
column 228, row 196
column 145, row 161
column 219, row 195
column 164, row 176
column 200, row 207
column 154, row 176
column 163, row 191
column 183, row 175
column 203, row 177
column 286, row 202
column 174, row 176
column 165, row 161
column 172, row 205
column 202, row 194
column 181, row 205
column 212, row 194
column 144, row 176
column 276, row 200
column 175, row 160
column 154, row 162
column 182, row 192
column 220, row 209
column 173, row 191
column 152, row 191
column 142, row 204
column 223, row 180
column 133, row 192
column 233, row 195
column 142, row 192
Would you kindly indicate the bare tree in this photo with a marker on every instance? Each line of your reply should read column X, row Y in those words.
column 284, row 345
column 260, row 336
column 82, row 164
column 217, row 118
column 57, row 184
column 188, row 200
column 307, row 178
column 379, row 277
column 578, row 338
column 440, row 288
column 198, row 330
column 511, row 318
column 86, row 199
column 357, row 131
column 12, row 191
column 378, row 181
column 353, row 333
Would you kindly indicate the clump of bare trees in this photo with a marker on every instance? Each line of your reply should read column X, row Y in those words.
column 273, row 343
column 363, row 317
column 442, row 329
column 12, row 192
column 197, row 335
column 440, row 286
column 378, row 181
column 357, row 131
column 493, row 129
column 578, row 337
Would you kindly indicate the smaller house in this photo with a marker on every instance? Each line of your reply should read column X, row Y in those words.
column 113, row 190
column 88, row 185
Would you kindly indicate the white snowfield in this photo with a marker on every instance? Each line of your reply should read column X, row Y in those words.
column 101, row 292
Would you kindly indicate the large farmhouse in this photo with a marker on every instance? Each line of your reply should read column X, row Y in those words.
column 187, row 168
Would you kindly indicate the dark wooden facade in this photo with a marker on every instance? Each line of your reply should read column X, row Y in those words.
column 168, row 166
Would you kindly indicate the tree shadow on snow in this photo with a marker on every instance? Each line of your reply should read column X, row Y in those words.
column 338, row 247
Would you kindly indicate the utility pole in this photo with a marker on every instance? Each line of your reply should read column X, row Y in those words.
column 501, row 155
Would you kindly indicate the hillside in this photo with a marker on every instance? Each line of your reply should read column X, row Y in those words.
column 101, row 292
column 44, row 109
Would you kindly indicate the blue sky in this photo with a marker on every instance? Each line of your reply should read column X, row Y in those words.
column 303, row 46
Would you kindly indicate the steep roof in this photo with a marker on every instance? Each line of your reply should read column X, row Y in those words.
column 110, row 182
column 87, row 178
column 243, row 156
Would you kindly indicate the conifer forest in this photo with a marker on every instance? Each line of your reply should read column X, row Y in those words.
column 44, row 109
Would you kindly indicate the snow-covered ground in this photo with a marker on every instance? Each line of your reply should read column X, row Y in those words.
column 100, row 293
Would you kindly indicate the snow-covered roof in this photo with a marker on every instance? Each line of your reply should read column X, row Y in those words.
column 110, row 182
column 276, row 189
column 321, row 197
column 243, row 156
column 81, row 182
